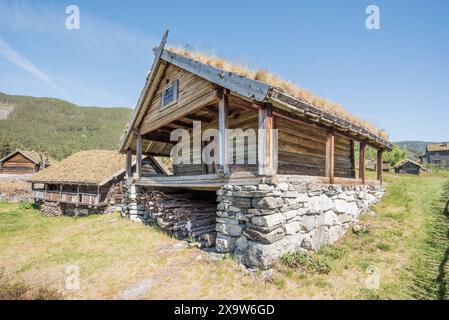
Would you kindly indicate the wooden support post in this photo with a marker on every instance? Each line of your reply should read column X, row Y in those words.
column 362, row 161
column 223, row 124
column 330, row 156
column 352, row 159
column 129, row 157
column 45, row 191
column 380, row 153
column 138, row 154
column 98, row 194
column 60, row 192
column 265, row 140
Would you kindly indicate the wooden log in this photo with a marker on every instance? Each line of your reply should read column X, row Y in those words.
column 330, row 156
column 223, row 124
column 379, row 164
column 265, row 140
column 138, row 154
column 129, row 164
column 362, row 162
column 184, row 215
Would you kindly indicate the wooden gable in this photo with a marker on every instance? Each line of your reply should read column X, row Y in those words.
column 193, row 93
column 18, row 164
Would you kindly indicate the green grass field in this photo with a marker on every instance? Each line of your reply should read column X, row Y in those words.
column 402, row 255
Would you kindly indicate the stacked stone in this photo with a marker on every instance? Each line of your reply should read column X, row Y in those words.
column 132, row 207
column 261, row 222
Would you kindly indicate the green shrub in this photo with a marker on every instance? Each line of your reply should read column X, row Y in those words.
column 26, row 205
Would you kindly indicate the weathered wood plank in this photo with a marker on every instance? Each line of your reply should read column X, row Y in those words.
column 330, row 156
column 362, row 162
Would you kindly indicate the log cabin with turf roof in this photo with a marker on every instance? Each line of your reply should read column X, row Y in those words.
column 408, row 166
column 303, row 190
column 86, row 182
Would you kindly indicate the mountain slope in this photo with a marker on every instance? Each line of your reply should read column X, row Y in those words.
column 58, row 127
column 414, row 146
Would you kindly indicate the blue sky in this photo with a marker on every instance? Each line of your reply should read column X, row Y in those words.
column 396, row 77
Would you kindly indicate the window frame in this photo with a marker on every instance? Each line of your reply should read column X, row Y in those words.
column 175, row 85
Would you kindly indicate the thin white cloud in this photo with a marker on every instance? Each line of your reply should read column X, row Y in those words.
column 41, row 20
column 13, row 56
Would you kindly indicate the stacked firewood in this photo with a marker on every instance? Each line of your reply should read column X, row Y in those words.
column 183, row 215
column 51, row 209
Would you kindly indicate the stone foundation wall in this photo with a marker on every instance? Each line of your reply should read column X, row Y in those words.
column 132, row 203
column 259, row 223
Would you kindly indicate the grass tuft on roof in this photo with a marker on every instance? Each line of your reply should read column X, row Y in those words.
column 286, row 86
column 89, row 167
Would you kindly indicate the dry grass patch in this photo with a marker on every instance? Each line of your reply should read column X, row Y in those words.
column 118, row 258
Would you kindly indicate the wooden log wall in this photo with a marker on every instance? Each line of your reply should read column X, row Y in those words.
column 18, row 164
column 302, row 150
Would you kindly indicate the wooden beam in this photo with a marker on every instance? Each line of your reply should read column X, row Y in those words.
column 380, row 153
column 77, row 194
column 223, row 124
column 129, row 157
column 158, row 137
column 362, row 161
column 138, row 154
column 330, row 156
column 198, row 118
column 265, row 140
column 182, row 124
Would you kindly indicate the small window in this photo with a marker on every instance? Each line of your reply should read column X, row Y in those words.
column 169, row 94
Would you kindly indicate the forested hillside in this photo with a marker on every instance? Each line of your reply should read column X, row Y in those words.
column 414, row 146
column 58, row 127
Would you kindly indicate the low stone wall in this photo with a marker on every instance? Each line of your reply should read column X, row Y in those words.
column 59, row 209
column 259, row 223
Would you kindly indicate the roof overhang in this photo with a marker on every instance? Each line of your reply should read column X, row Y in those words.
column 248, row 89
column 145, row 97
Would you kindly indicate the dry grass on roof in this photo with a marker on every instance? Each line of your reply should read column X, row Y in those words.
column 288, row 87
column 91, row 166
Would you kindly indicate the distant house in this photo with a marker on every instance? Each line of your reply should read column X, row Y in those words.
column 436, row 154
column 19, row 162
column 386, row 167
column 86, row 182
column 408, row 166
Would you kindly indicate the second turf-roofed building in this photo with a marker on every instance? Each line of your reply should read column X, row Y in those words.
column 86, row 182
column 295, row 187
